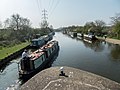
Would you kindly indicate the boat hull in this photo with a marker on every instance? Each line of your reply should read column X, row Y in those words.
column 44, row 65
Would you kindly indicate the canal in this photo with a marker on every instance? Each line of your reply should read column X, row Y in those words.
column 98, row 57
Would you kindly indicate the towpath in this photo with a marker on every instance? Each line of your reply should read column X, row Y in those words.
column 110, row 40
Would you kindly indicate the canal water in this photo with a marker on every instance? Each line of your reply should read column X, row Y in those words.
column 98, row 57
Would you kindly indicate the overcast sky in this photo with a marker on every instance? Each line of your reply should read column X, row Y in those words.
column 61, row 12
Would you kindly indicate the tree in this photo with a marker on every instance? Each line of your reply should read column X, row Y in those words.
column 51, row 27
column 16, row 22
column 95, row 27
column 0, row 24
column 44, row 24
column 99, row 26
column 88, row 26
column 116, row 24
column 21, row 27
column 6, row 23
column 24, row 23
column 115, row 19
column 116, row 29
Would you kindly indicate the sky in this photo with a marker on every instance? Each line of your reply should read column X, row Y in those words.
column 60, row 13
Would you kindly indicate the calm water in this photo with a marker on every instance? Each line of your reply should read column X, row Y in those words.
column 98, row 57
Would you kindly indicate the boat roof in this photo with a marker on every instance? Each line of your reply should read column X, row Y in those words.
column 36, row 54
column 41, row 38
column 48, row 45
column 40, row 51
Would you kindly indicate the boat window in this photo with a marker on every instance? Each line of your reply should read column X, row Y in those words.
column 48, row 52
column 31, row 65
column 53, row 48
column 43, row 58
column 38, row 62
column 38, row 42
column 34, row 42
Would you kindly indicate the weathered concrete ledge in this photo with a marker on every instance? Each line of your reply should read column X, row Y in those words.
column 75, row 79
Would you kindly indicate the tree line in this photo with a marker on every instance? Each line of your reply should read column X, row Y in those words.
column 99, row 28
column 17, row 29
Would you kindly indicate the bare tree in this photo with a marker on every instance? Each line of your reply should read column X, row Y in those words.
column 116, row 24
column 115, row 19
column 89, row 27
column 6, row 23
column 16, row 22
column 44, row 24
column 0, row 24
column 99, row 23
column 99, row 26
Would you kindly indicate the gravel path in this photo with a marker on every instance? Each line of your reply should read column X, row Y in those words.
column 110, row 40
column 114, row 41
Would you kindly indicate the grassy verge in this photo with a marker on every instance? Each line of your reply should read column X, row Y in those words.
column 7, row 51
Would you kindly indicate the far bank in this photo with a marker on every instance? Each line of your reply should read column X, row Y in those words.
column 110, row 40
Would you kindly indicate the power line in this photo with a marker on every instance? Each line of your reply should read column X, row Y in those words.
column 51, row 6
column 40, row 2
column 58, row 1
column 38, row 6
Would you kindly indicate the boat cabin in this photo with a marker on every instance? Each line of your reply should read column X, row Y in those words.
column 38, row 42
column 38, row 59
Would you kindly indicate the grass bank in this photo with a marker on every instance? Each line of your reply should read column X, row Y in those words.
column 7, row 51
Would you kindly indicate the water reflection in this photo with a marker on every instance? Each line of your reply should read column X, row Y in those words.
column 99, row 46
column 96, row 45
column 92, row 56
column 115, row 52
column 8, row 76
column 3, row 68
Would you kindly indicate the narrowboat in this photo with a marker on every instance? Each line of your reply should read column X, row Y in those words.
column 90, row 37
column 46, row 38
column 37, row 60
column 37, row 42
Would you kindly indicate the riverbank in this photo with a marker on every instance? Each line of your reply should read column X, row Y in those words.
column 74, row 79
column 8, row 54
column 110, row 40
column 8, row 51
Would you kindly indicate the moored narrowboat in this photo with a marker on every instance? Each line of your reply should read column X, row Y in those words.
column 37, row 42
column 37, row 60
